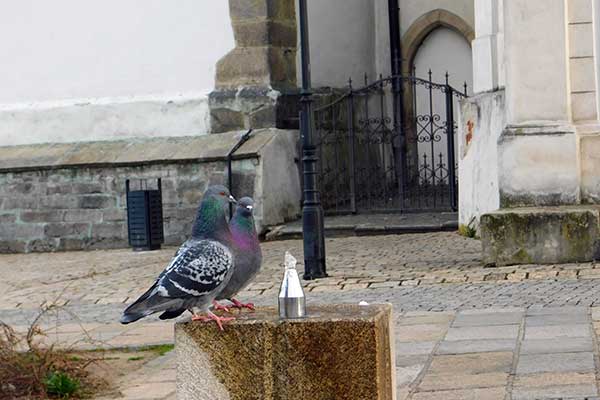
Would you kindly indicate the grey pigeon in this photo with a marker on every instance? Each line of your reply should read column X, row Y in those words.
column 247, row 253
column 198, row 272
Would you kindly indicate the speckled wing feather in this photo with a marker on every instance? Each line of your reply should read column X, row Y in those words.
column 198, row 270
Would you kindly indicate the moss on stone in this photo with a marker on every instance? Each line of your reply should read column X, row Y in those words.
column 522, row 257
column 540, row 235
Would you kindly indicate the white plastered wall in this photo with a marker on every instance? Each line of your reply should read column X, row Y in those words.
column 349, row 38
column 97, row 70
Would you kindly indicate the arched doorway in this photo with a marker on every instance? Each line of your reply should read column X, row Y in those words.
column 382, row 146
column 443, row 57
column 436, row 48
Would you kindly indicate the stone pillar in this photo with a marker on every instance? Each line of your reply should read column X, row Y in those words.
column 488, row 46
column 583, row 23
column 338, row 352
column 584, row 104
column 255, row 79
column 537, row 151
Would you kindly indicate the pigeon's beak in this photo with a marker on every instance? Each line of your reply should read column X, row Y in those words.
column 232, row 199
column 249, row 208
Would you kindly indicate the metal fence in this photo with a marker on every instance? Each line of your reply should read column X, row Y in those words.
column 388, row 146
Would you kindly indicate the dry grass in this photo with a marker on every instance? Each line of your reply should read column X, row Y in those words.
column 30, row 369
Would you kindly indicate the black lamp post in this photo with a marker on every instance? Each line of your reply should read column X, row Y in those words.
column 313, row 231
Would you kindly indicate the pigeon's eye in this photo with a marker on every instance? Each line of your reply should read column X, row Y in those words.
column 222, row 193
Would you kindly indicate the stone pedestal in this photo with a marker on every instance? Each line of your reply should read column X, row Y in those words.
column 541, row 235
column 338, row 352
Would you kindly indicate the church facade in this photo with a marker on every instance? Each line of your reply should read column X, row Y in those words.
column 98, row 93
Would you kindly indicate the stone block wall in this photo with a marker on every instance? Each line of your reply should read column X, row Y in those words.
column 52, row 198
column 86, row 208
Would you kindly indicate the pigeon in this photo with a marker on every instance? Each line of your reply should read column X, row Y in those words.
column 247, row 254
column 199, row 271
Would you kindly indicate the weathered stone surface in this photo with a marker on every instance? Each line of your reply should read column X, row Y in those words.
column 506, row 318
column 257, row 66
column 483, row 332
column 252, row 107
column 35, row 160
column 560, row 362
column 264, row 58
column 540, row 235
column 557, row 331
column 342, row 352
column 470, row 364
column 66, row 229
column 225, row 119
column 12, row 246
column 476, row 346
column 458, row 381
column 41, row 216
column 556, row 319
column 8, row 218
column 41, row 245
column 425, row 332
column 560, row 345
column 556, row 392
column 551, row 378
column 496, row 393
column 264, row 33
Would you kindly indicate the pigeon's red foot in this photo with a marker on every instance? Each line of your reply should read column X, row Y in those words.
column 218, row 306
column 212, row 317
column 240, row 305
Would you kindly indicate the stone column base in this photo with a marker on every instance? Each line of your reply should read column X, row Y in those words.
column 537, row 165
column 252, row 107
column 338, row 352
column 541, row 235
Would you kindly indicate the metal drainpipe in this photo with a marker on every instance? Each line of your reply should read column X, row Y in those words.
column 398, row 91
column 243, row 139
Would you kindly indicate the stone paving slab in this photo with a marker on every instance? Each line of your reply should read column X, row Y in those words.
column 562, row 392
column 556, row 331
column 555, row 319
column 476, row 346
column 468, row 394
column 483, row 332
column 471, row 364
column 460, row 381
column 506, row 318
column 557, row 362
column 551, row 378
column 563, row 345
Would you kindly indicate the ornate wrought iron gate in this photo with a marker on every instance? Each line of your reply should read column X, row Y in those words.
column 377, row 156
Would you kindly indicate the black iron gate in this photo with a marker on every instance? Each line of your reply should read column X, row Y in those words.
column 375, row 156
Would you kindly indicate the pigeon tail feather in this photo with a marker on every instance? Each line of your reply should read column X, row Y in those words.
column 170, row 314
column 148, row 303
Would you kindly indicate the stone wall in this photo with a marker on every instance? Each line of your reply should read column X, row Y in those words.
column 73, row 209
column 61, row 206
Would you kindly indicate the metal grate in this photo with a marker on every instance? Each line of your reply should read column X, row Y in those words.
column 374, row 158
column 144, row 216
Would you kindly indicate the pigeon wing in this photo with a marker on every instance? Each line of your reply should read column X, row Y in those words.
column 199, row 269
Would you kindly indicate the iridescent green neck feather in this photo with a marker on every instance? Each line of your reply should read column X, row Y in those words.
column 210, row 220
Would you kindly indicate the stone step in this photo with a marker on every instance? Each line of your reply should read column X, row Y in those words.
column 540, row 235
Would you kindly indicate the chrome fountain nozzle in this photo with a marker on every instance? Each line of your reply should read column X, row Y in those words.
column 292, row 303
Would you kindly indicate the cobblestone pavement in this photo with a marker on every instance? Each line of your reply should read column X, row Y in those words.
column 443, row 263
column 433, row 280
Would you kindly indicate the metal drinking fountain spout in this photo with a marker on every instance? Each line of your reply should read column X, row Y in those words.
column 292, row 303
